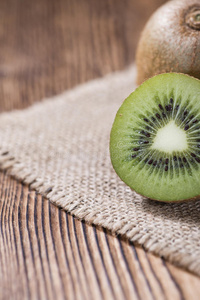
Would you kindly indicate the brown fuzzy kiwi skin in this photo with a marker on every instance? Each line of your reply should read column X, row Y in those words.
column 170, row 42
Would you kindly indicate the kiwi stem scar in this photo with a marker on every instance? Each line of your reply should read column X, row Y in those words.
column 193, row 18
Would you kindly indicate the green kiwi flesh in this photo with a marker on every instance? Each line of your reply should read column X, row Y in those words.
column 155, row 138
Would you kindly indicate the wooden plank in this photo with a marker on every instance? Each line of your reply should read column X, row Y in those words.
column 48, row 254
column 48, row 46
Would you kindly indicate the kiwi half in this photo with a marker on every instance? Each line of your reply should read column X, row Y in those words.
column 155, row 138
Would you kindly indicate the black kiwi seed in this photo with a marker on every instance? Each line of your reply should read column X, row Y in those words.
column 155, row 163
column 193, row 155
column 195, row 121
column 175, row 158
column 184, row 160
column 197, row 159
column 185, row 113
column 150, row 161
column 160, row 106
column 147, row 134
column 136, row 149
column 167, row 108
column 153, row 119
column 146, row 142
column 186, row 127
column 177, row 106
column 166, row 168
column 171, row 101
column 146, row 120
column 158, row 116
column 133, row 156
column 167, row 161
column 164, row 115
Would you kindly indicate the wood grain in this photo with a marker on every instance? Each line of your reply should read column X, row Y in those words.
column 48, row 254
column 48, row 46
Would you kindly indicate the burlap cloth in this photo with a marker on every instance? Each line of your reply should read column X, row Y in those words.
column 61, row 148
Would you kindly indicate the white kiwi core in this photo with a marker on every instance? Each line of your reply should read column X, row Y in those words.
column 170, row 138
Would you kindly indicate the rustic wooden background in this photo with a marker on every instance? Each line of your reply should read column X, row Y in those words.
column 46, row 47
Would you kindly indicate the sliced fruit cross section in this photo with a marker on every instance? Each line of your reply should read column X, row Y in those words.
column 155, row 138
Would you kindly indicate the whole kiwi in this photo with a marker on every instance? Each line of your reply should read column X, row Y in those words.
column 170, row 41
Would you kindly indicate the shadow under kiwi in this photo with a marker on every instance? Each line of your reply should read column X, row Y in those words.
column 185, row 211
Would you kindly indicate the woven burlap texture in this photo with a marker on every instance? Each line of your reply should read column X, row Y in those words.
column 60, row 147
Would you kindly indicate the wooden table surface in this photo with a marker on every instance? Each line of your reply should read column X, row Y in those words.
column 48, row 46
